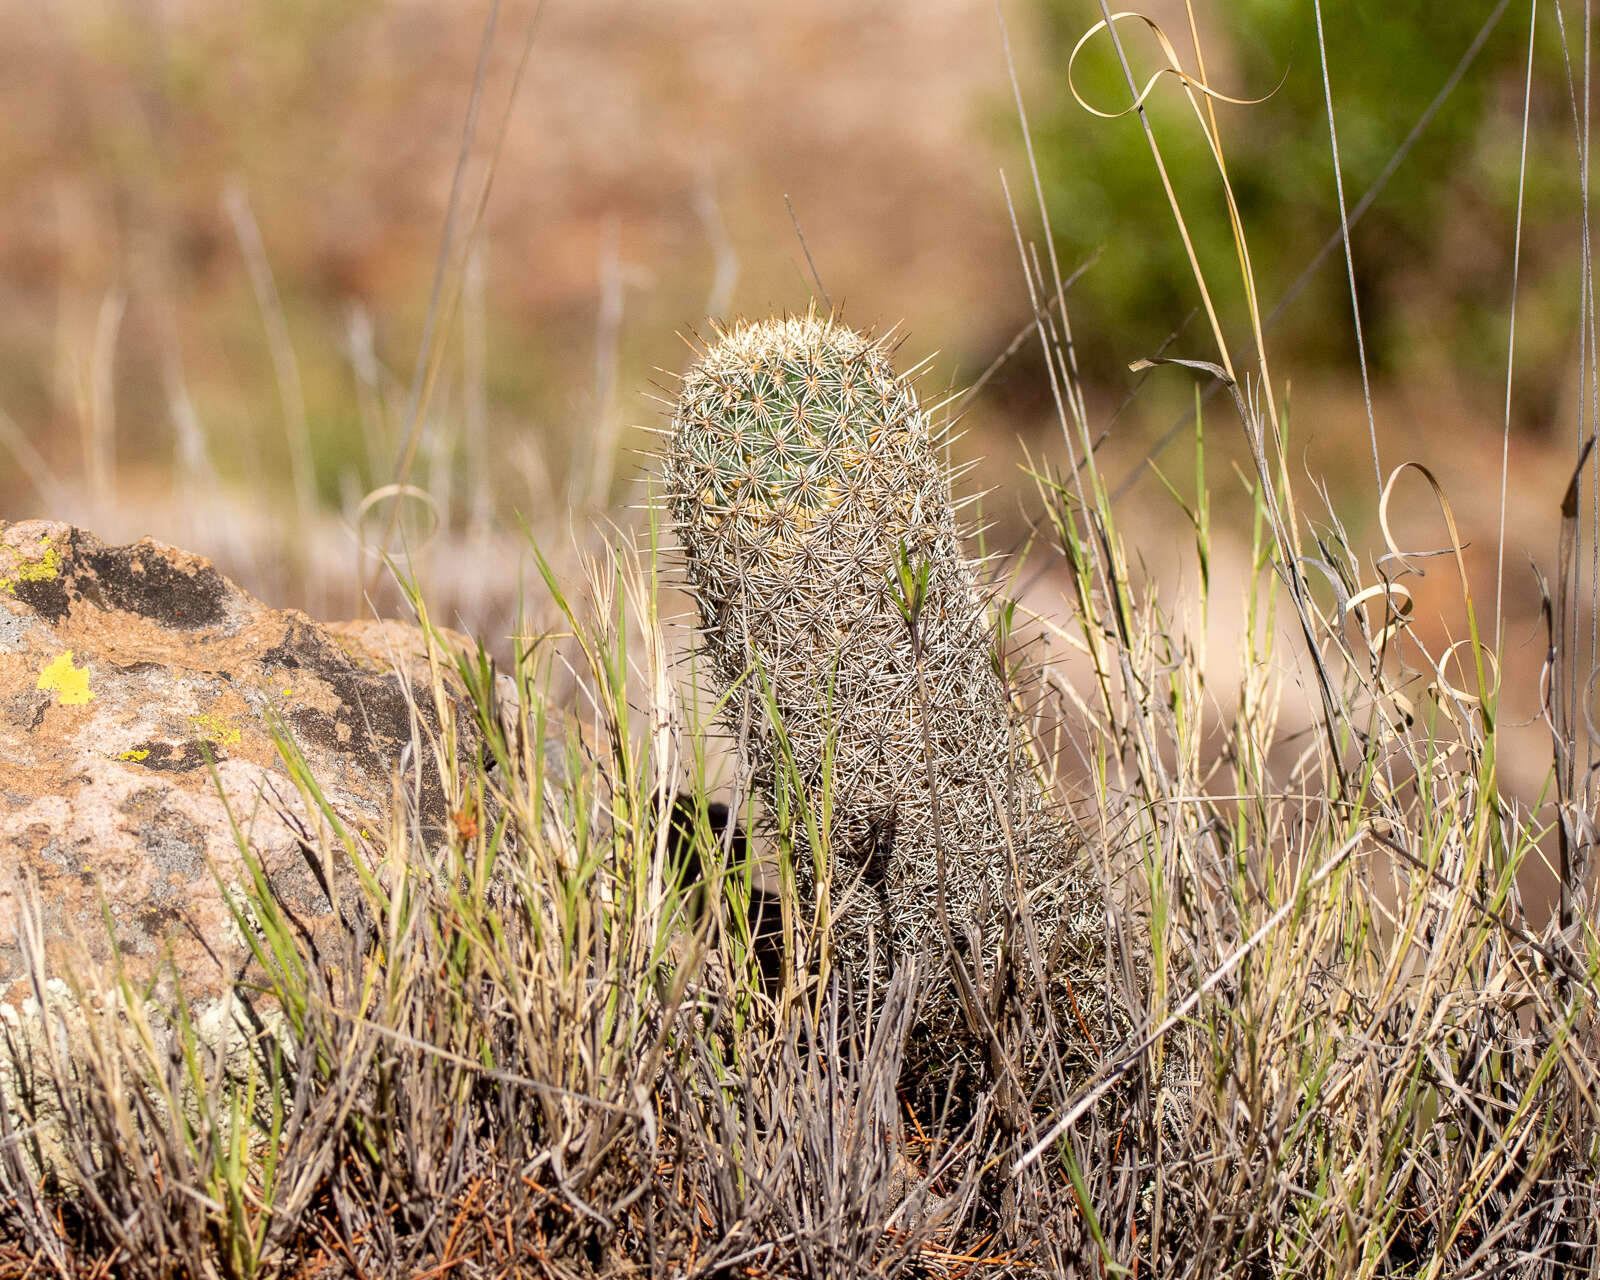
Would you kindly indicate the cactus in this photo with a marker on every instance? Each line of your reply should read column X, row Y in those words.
column 803, row 478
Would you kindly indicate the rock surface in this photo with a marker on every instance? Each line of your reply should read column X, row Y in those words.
column 126, row 673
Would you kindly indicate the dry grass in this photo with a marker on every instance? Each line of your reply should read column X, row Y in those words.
column 548, row 1047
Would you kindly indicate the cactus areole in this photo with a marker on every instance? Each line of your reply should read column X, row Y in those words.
column 802, row 475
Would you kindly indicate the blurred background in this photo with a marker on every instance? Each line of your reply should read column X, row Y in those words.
column 224, row 226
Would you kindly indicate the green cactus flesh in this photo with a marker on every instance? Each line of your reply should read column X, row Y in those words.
column 800, row 468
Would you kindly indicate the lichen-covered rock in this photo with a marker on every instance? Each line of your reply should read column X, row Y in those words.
column 139, row 690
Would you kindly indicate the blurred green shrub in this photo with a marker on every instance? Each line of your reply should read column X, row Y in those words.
column 1433, row 255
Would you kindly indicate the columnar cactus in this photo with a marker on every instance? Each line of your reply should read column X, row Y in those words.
column 803, row 476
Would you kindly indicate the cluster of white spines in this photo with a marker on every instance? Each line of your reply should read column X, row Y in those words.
column 802, row 474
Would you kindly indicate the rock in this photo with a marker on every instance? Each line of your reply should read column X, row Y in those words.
column 138, row 688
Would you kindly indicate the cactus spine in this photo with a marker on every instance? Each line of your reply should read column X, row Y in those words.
column 799, row 466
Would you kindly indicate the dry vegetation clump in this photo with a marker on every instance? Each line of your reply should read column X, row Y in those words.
column 543, row 1049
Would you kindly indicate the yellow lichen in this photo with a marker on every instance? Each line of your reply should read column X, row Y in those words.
column 134, row 753
column 46, row 568
column 70, row 684
column 217, row 729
